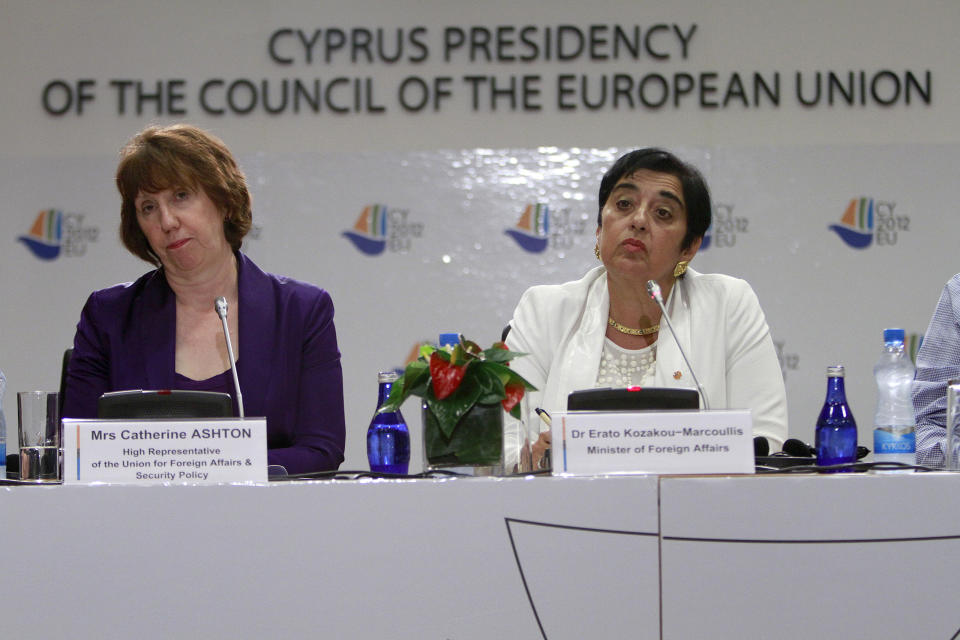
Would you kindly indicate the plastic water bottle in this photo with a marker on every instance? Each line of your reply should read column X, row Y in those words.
column 449, row 339
column 388, row 439
column 836, row 440
column 3, row 430
column 894, row 425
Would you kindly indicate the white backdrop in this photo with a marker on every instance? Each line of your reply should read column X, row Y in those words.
column 455, row 179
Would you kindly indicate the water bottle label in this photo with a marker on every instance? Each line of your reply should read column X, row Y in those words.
column 886, row 442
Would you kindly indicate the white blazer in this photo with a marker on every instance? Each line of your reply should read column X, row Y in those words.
column 717, row 318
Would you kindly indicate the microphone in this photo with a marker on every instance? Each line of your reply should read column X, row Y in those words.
column 799, row 449
column 220, row 305
column 761, row 447
column 654, row 290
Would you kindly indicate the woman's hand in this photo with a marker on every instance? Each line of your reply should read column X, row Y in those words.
column 540, row 448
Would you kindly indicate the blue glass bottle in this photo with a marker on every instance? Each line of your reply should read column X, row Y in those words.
column 388, row 439
column 3, row 430
column 836, row 438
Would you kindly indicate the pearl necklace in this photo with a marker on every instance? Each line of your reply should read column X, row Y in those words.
column 621, row 367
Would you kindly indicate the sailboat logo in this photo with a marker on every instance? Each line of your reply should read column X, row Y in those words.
column 532, row 231
column 369, row 234
column 45, row 236
column 856, row 225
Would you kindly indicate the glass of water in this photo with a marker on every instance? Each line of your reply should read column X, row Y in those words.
column 39, row 413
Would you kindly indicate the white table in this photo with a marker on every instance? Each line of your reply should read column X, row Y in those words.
column 840, row 556
column 385, row 559
column 726, row 557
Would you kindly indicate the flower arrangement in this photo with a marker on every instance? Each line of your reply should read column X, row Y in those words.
column 453, row 382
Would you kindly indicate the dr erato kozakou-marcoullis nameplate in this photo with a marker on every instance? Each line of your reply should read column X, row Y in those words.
column 589, row 443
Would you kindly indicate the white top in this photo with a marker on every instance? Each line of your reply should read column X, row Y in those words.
column 718, row 318
column 620, row 367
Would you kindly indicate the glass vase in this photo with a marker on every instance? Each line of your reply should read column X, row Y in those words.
column 475, row 446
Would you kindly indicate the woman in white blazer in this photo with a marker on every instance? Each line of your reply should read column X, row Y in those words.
column 604, row 329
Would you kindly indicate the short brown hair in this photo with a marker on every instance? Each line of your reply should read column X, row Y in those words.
column 181, row 155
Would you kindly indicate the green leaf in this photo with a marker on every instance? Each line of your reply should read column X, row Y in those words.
column 476, row 439
column 436, row 446
column 492, row 390
column 501, row 355
column 471, row 347
column 412, row 382
column 517, row 378
column 502, row 371
column 416, row 378
column 526, row 384
column 394, row 400
column 462, row 354
column 449, row 410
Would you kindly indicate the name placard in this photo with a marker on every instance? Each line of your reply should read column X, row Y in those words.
column 163, row 451
column 652, row 442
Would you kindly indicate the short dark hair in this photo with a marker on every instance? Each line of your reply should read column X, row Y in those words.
column 696, row 195
column 181, row 155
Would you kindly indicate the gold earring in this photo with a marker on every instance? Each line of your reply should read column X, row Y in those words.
column 596, row 250
column 681, row 268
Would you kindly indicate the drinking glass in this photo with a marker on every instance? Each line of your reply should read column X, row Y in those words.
column 39, row 435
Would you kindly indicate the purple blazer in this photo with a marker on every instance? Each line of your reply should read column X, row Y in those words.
column 288, row 364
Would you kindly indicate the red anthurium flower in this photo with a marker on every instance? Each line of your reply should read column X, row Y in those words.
column 444, row 376
column 514, row 391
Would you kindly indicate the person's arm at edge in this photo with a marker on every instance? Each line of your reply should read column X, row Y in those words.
column 88, row 373
column 938, row 361
column 754, row 377
column 320, row 428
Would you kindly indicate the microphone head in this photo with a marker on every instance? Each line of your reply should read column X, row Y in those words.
column 761, row 446
column 220, row 304
column 798, row 448
column 654, row 290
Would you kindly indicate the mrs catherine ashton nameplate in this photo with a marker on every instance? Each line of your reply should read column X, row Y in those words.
column 589, row 443
column 165, row 451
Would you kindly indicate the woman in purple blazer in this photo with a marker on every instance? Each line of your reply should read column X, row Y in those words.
column 185, row 209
